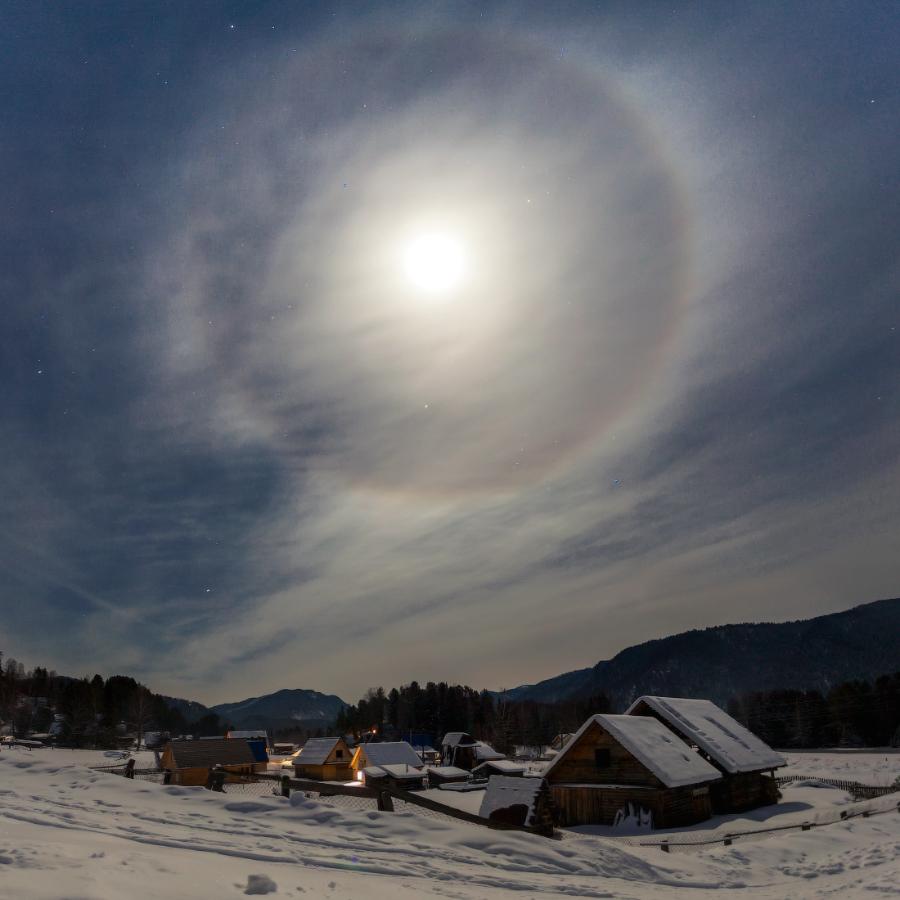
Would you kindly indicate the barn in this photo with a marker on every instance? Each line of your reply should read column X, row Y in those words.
column 324, row 759
column 190, row 761
column 396, row 775
column 616, row 762
column 746, row 763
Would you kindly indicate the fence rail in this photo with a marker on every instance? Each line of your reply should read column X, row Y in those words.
column 859, row 791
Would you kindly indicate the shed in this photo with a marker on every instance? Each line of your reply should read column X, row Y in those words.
column 392, row 753
column 612, row 761
column 499, row 767
column 324, row 759
column 458, row 749
column 746, row 763
column 438, row 775
column 518, row 801
column 398, row 775
column 190, row 761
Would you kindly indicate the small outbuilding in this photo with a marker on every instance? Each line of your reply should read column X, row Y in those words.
column 190, row 761
column 400, row 775
column 458, row 749
column 438, row 775
column 499, row 767
column 747, row 764
column 518, row 801
column 324, row 759
column 391, row 753
column 616, row 762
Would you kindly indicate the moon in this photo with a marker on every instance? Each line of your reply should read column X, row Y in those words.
column 434, row 263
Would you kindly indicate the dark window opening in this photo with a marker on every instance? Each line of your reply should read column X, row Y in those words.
column 339, row 754
column 601, row 758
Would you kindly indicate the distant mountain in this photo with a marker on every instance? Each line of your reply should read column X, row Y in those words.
column 190, row 709
column 727, row 660
column 283, row 709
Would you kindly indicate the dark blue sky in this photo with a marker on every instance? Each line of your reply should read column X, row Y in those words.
column 242, row 449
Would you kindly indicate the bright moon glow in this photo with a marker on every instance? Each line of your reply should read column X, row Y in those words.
column 434, row 262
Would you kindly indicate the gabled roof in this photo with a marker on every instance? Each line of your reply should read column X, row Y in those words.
column 390, row 754
column 202, row 754
column 500, row 765
column 649, row 741
column 458, row 739
column 722, row 738
column 316, row 750
column 447, row 771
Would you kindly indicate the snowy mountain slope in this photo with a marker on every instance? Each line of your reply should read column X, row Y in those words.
column 283, row 709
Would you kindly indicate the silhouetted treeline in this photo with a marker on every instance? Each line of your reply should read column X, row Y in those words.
column 852, row 714
column 437, row 708
column 88, row 712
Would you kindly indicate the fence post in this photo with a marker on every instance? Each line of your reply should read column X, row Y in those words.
column 285, row 785
column 385, row 803
column 805, row 826
column 664, row 846
column 727, row 842
column 129, row 769
column 167, row 776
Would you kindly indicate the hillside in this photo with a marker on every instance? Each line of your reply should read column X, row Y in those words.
column 727, row 660
column 287, row 708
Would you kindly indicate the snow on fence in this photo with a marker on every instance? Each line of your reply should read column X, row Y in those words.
column 859, row 791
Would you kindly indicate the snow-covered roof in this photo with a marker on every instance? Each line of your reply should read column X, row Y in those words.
column 248, row 735
column 504, row 791
column 458, row 739
column 717, row 734
column 500, row 765
column 316, row 750
column 649, row 741
column 401, row 770
column 447, row 772
column 485, row 752
column 391, row 754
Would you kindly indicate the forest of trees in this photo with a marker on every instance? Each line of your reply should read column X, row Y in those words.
column 435, row 709
column 88, row 712
column 852, row 714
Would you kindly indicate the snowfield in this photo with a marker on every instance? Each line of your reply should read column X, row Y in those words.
column 68, row 832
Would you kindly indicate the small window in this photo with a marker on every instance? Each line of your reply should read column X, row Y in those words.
column 339, row 754
column 601, row 758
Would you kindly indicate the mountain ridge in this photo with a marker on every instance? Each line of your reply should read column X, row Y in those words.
column 723, row 661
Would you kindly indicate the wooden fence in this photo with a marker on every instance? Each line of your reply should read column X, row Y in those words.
column 859, row 791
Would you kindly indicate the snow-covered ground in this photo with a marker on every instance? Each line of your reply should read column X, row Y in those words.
column 68, row 832
column 878, row 767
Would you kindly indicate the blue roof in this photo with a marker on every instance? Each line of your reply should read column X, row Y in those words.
column 258, row 749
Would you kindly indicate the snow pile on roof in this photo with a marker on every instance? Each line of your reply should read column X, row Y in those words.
column 316, row 750
column 726, row 741
column 484, row 752
column 653, row 745
column 503, row 792
column 501, row 765
column 391, row 754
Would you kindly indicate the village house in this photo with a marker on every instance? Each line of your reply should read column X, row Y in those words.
column 324, row 759
column 190, row 761
column 499, row 767
column 746, row 763
column 615, row 761
column 381, row 755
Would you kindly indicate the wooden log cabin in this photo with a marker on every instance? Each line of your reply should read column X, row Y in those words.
column 388, row 753
column 324, row 759
column 190, row 761
column 746, row 763
column 617, row 763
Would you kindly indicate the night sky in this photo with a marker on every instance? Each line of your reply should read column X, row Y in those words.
column 347, row 344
